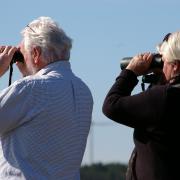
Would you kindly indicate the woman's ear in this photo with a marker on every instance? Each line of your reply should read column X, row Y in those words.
column 36, row 55
column 176, row 67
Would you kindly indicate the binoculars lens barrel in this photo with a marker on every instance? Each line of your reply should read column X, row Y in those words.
column 156, row 62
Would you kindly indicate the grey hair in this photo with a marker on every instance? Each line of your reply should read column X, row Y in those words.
column 46, row 34
column 170, row 48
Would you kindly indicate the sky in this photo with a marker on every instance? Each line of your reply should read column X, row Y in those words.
column 103, row 32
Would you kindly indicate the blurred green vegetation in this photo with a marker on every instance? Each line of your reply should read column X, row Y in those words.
column 113, row 171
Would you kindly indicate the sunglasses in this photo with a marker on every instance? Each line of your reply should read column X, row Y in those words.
column 166, row 37
column 31, row 28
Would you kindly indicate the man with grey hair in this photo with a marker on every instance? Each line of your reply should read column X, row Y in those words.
column 45, row 117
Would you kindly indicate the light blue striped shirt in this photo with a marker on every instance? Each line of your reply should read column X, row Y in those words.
column 44, row 123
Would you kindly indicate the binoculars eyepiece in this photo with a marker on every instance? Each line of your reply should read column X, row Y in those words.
column 156, row 62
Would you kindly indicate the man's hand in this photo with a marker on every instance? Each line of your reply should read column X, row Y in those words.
column 23, row 68
column 6, row 54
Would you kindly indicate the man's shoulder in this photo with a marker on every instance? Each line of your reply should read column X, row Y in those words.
column 25, row 83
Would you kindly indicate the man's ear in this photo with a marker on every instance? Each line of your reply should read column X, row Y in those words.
column 36, row 53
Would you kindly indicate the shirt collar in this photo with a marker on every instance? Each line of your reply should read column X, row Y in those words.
column 57, row 65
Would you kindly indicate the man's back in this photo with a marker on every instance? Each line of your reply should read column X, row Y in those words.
column 46, row 133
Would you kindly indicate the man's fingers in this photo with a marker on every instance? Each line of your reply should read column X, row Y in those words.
column 11, row 51
column 2, row 49
column 6, row 49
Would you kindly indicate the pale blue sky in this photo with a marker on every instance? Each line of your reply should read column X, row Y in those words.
column 103, row 32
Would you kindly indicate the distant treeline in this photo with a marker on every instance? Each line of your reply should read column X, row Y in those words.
column 103, row 172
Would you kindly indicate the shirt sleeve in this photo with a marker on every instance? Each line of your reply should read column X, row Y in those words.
column 17, row 106
column 141, row 110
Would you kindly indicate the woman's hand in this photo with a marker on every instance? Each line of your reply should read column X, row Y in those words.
column 140, row 64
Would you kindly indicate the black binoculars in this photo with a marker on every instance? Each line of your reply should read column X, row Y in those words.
column 18, row 56
column 156, row 62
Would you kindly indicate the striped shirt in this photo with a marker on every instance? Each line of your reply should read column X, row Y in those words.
column 44, row 123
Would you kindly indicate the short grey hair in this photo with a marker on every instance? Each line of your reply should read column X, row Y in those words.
column 170, row 48
column 46, row 34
